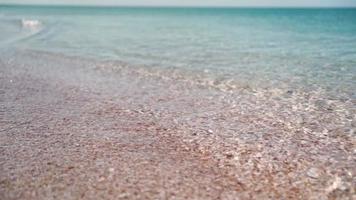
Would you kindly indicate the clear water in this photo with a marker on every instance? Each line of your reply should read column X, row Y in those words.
column 310, row 49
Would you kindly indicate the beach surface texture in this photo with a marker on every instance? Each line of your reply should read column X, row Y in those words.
column 177, row 103
column 71, row 129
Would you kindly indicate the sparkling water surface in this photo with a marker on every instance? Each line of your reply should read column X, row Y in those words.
column 247, row 103
column 309, row 49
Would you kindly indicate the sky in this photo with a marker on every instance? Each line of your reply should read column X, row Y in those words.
column 250, row 3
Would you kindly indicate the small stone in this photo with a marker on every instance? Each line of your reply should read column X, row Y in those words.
column 210, row 131
column 101, row 179
column 304, row 142
column 70, row 167
column 314, row 173
column 111, row 169
column 229, row 155
column 337, row 183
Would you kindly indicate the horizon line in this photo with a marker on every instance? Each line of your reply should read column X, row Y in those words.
column 175, row 6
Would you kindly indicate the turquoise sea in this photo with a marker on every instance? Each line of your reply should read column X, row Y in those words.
column 309, row 49
column 177, row 103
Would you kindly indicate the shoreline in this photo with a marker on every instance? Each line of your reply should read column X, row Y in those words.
column 70, row 131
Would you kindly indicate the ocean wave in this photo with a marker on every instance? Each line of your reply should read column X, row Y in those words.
column 15, row 30
column 32, row 24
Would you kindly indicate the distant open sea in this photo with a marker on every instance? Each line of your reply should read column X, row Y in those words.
column 227, row 48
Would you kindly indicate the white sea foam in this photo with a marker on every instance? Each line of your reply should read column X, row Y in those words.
column 33, row 24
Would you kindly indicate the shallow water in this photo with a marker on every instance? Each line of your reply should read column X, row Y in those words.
column 226, row 48
column 292, row 144
column 263, row 97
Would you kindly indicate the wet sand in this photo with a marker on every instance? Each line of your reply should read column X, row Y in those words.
column 72, row 129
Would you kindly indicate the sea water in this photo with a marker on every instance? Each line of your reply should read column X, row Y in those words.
column 265, row 98
column 309, row 49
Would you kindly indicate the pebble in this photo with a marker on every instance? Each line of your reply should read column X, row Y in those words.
column 229, row 155
column 337, row 183
column 101, row 179
column 314, row 173
column 290, row 92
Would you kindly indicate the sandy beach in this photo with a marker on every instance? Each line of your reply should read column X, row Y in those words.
column 82, row 132
column 215, row 101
